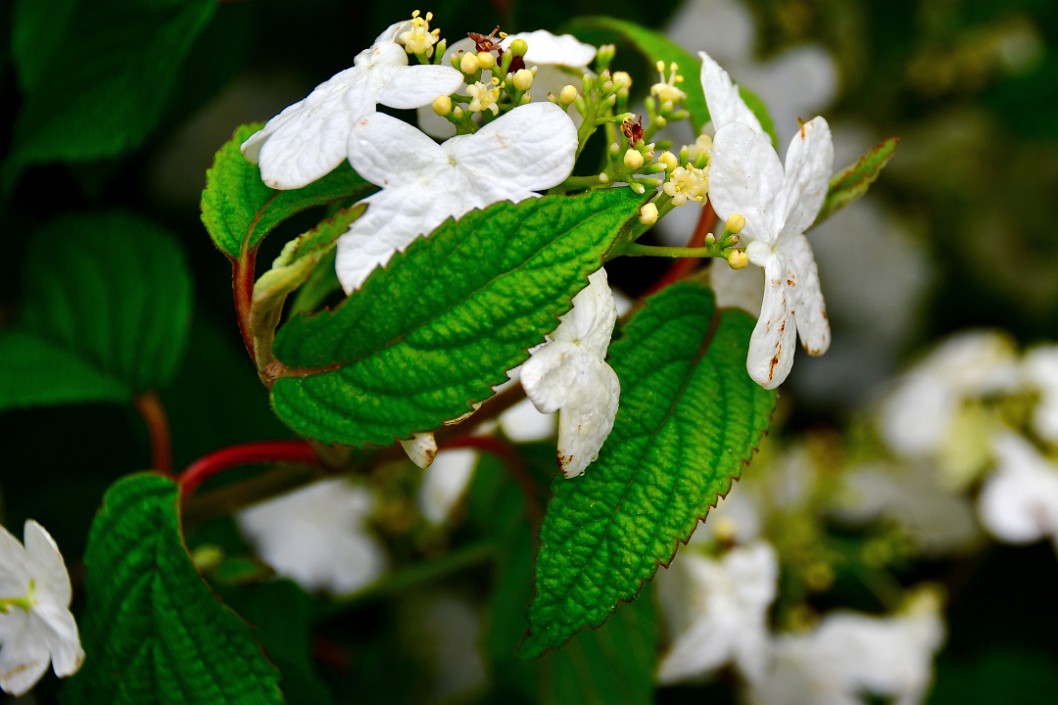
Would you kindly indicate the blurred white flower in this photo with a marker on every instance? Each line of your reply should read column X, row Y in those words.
column 851, row 655
column 1019, row 500
column 445, row 482
column 448, row 629
column 1040, row 371
column 36, row 627
column 716, row 611
column 318, row 536
column 423, row 183
column 735, row 519
column 569, row 374
column 311, row 137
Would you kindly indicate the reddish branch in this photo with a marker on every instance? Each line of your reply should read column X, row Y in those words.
column 255, row 453
column 153, row 413
column 242, row 276
column 682, row 267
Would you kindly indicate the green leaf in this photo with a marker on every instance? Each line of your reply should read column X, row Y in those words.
column 105, row 84
column 39, row 31
column 760, row 110
column 614, row 664
column 852, row 182
column 690, row 418
column 153, row 631
column 239, row 210
column 106, row 312
column 432, row 333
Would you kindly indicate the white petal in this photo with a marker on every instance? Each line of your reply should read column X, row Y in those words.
column 771, row 346
column 24, row 654
column 382, row 53
column 745, row 176
column 806, row 296
column 721, row 96
column 60, row 631
column 591, row 320
column 550, row 374
column 1041, row 372
column 430, row 122
column 407, row 87
column 421, row 449
column 445, row 482
column 547, row 48
column 308, row 139
column 389, row 152
column 14, row 565
column 522, row 423
column 47, row 566
column 1019, row 501
column 809, row 161
column 531, row 148
column 390, row 34
column 585, row 421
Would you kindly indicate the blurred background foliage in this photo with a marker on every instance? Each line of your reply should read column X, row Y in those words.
column 119, row 105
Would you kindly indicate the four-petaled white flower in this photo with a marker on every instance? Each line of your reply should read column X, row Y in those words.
column 36, row 626
column 717, row 610
column 1019, row 501
column 423, row 183
column 746, row 177
column 310, row 138
column 569, row 373
column 317, row 536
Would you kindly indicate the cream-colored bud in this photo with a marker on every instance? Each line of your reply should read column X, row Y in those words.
column 710, row 239
column 735, row 223
column 442, row 105
column 486, row 60
column 668, row 160
column 737, row 259
column 523, row 79
column 621, row 80
column 648, row 214
column 633, row 159
column 567, row 95
column 458, row 112
column 604, row 178
column 469, row 64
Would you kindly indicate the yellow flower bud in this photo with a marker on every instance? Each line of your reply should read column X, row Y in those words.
column 737, row 259
column 621, row 80
column 518, row 47
column 735, row 223
column 523, row 79
column 469, row 64
column 567, row 95
column 486, row 60
column 648, row 214
column 442, row 105
column 668, row 160
column 633, row 159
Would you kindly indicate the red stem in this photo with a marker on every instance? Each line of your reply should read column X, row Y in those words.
column 684, row 266
column 253, row 453
column 242, row 276
column 513, row 461
column 149, row 405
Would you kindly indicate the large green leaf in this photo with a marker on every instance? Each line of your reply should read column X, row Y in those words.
column 853, row 181
column 432, row 333
column 104, row 85
column 105, row 315
column 689, row 420
column 153, row 631
column 239, row 210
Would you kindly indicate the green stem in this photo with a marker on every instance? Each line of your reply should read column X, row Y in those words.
column 635, row 249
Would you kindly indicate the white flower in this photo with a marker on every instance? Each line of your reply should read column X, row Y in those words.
column 423, row 183
column 310, row 138
column 569, row 373
column 1019, row 501
column 850, row 655
column 1040, row 369
column 716, row 610
column 559, row 60
column 36, row 626
column 445, row 482
column 317, row 536
column 746, row 177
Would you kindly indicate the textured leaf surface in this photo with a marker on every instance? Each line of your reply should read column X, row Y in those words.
column 431, row 334
column 106, row 313
column 239, row 210
column 104, row 84
column 853, row 181
column 153, row 631
column 690, row 418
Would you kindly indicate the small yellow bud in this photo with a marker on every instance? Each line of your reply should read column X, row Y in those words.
column 633, row 159
column 518, row 47
column 710, row 239
column 648, row 214
column 660, row 66
column 604, row 178
column 668, row 160
column 735, row 223
column 523, row 79
column 526, row 99
column 486, row 60
column 567, row 95
column 469, row 64
column 458, row 112
column 737, row 259
column 621, row 80
column 442, row 105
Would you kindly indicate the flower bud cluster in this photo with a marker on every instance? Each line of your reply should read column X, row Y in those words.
column 419, row 40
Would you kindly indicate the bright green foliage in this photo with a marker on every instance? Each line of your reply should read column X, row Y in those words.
column 433, row 333
column 853, row 181
column 614, row 664
column 153, row 632
column 239, row 210
column 105, row 315
column 689, row 420
column 102, row 77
